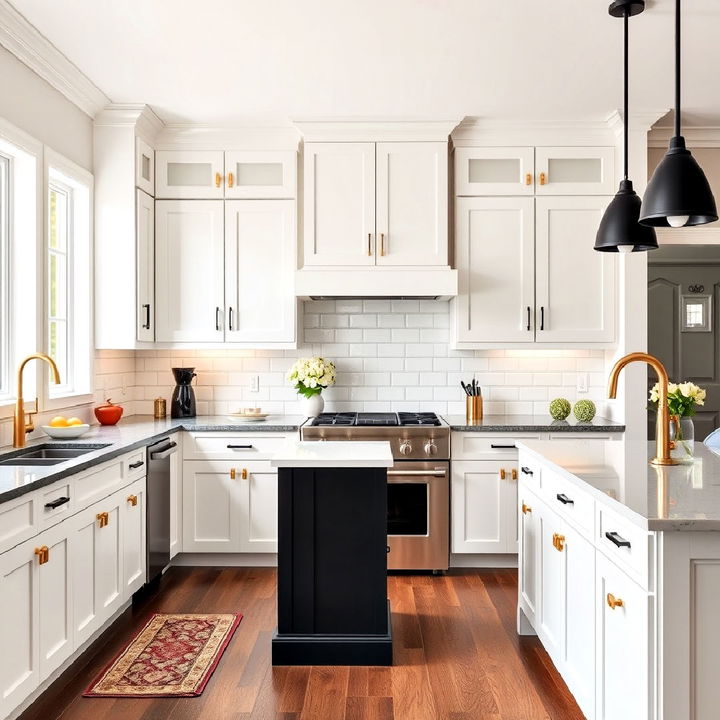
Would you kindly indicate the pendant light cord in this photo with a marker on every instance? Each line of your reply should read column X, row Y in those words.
column 678, row 130
column 626, row 119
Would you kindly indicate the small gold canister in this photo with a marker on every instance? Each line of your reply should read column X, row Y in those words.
column 473, row 409
column 160, row 408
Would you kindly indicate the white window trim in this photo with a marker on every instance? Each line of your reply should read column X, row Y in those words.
column 72, row 175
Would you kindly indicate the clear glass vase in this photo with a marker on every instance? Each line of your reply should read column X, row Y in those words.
column 682, row 436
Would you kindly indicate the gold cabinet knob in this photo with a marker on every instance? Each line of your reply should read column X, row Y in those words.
column 43, row 554
column 231, row 180
column 543, row 178
column 614, row 602
column 132, row 499
column 502, row 474
column 103, row 519
column 232, row 473
column 528, row 178
column 369, row 244
column 218, row 180
column 513, row 473
column 526, row 509
column 382, row 244
column 244, row 474
column 558, row 542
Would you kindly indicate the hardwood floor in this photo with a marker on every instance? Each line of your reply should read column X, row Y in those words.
column 457, row 657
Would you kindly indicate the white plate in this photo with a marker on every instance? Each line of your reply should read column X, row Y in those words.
column 60, row 433
column 247, row 418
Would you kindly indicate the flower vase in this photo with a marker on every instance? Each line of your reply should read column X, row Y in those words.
column 682, row 437
column 312, row 406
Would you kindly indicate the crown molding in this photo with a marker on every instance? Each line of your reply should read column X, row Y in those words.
column 140, row 117
column 375, row 129
column 252, row 136
column 641, row 121
column 34, row 50
column 699, row 136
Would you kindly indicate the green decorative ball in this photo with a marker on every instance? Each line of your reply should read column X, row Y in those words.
column 560, row 408
column 584, row 410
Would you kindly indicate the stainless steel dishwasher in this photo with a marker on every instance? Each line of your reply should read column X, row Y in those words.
column 158, row 506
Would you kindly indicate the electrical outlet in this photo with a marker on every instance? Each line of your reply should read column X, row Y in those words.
column 255, row 383
column 582, row 382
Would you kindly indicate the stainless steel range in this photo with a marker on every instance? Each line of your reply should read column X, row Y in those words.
column 418, row 482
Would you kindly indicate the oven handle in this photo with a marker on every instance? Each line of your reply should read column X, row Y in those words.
column 431, row 473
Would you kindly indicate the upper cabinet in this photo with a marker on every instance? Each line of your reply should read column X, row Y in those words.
column 260, row 174
column 534, row 171
column 145, row 272
column 196, row 174
column 144, row 167
column 369, row 204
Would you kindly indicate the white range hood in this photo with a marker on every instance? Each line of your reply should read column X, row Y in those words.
column 439, row 283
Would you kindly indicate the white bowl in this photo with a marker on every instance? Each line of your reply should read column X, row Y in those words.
column 65, row 433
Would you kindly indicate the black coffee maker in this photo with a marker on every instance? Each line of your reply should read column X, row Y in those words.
column 183, row 397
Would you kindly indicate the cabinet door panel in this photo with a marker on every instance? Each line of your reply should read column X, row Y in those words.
column 412, row 202
column 189, row 174
column 85, row 607
column 108, row 560
column 19, row 616
column 259, row 267
column 495, row 257
column 339, row 204
column 260, row 174
column 495, row 171
column 260, row 518
column 176, row 503
column 529, row 559
column 145, row 242
column 551, row 627
column 189, row 271
column 144, row 167
column 211, row 507
column 575, row 285
column 575, row 170
column 133, row 537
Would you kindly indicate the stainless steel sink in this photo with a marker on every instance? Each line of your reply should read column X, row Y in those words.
column 43, row 455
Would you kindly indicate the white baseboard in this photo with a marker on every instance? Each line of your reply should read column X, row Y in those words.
column 481, row 560
column 225, row 560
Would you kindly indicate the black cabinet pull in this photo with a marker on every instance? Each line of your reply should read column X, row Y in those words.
column 564, row 499
column 146, row 324
column 136, row 465
column 217, row 318
column 542, row 317
column 57, row 502
column 239, row 447
column 618, row 540
column 503, row 447
column 528, row 314
column 230, row 318
column 387, row 549
column 526, row 470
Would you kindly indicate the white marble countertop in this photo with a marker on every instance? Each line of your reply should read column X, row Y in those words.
column 350, row 454
column 664, row 498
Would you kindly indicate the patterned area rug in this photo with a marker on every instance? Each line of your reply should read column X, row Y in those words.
column 172, row 656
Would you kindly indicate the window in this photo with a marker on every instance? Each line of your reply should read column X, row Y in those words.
column 4, row 275
column 67, row 277
column 696, row 313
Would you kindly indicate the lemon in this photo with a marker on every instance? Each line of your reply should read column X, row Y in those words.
column 74, row 421
column 59, row 421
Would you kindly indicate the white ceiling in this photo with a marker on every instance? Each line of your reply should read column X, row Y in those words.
column 235, row 61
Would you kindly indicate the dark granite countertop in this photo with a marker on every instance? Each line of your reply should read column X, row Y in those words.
column 531, row 423
column 129, row 434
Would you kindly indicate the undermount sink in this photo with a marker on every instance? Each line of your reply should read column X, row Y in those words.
column 43, row 455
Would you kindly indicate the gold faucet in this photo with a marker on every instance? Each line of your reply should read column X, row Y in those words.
column 20, row 427
column 662, row 423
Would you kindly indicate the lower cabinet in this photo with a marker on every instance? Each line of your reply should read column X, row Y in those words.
column 229, row 507
column 134, row 542
column 484, row 506
column 528, row 549
column 176, row 503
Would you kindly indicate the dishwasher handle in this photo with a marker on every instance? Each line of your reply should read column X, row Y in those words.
column 164, row 452
column 418, row 473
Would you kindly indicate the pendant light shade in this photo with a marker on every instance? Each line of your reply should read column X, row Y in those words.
column 678, row 193
column 619, row 229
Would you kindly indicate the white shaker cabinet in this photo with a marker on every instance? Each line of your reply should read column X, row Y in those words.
column 260, row 174
column 339, row 188
column 575, row 286
column 189, row 270
column 176, row 500
column 134, row 542
column 494, row 171
column 189, row 174
column 145, row 270
column 495, row 256
column 528, row 551
column 144, row 166
column 575, row 170
column 411, row 203
column 260, row 304
column 258, row 508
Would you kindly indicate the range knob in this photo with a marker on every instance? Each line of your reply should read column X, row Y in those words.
column 405, row 447
column 430, row 448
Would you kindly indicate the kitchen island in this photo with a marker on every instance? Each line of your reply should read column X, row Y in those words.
column 332, row 554
column 619, row 575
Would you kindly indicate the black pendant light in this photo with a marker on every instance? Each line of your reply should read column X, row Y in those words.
column 619, row 229
column 678, row 193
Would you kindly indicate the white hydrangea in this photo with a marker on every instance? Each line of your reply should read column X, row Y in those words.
column 311, row 374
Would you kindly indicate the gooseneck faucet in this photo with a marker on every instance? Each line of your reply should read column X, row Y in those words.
column 662, row 422
column 20, row 427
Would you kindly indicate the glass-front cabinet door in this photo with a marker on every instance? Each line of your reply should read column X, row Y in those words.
column 189, row 174
column 144, row 167
column 255, row 174
column 575, row 170
column 494, row 171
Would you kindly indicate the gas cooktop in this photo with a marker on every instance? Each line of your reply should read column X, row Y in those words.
column 402, row 419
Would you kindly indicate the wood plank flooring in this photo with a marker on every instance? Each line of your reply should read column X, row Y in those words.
column 457, row 657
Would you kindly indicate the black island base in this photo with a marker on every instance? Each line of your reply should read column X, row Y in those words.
column 332, row 567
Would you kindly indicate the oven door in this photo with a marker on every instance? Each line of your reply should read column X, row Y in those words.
column 418, row 516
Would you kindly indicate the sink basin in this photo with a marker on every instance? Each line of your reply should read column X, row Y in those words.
column 43, row 455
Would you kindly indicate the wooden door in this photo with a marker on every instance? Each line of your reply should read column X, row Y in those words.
column 339, row 204
column 189, row 272
column 412, row 203
column 260, row 261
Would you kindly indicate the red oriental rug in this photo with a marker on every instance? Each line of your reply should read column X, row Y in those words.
column 172, row 656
